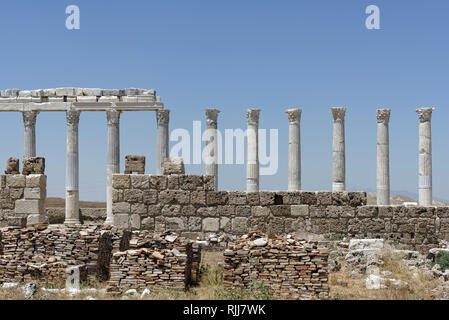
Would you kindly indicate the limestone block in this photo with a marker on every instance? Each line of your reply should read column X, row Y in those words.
column 68, row 92
column 33, row 219
column 173, row 166
column 225, row 224
column 16, row 193
column 17, row 221
column 10, row 92
column 357, row 199
column 239, row 225
column 25, row 93
column 340, row 198
column 173, row 182
column 324, row 198
column 171, row 210
column 133, row 91
column 140, row 181
column 37, row 93
column 175, row 224
column 139, row 208
column 15, row 181
column 237, row 197
column 34, row 165
column 159, row 224
column 209, row 183
column 300, row 210
column 2, row 181
column 134, row 221
column 308, row 198
column 154, row 210
column 174, row 197
column 35, row 193
column 226, row 210
column 109, row 99
column 385, row 212
column 133, row 195
column 12, row 166
column 207, row 211
column 259, row 211
column 134, row 164
column 194, row 224
column 36, row 181
column 211, row 224
column 121, row 207
column 87, row 99
column 244, row 211
column 8, row 100
column 441, row 212
column 129, row 99
column 96, row 92
column 366, row 244
column 121, row 181
column 188, row 210
column 149, row 197
column 367, row 212
column 317, row 211
column 267, row 198
column 198, row 197
column 149, row 92
column 158, row 182
column 23, row 206
column 121, row 221
column 281, row 210
column 252, row 198
column 49, row 92
column 147, row 224
column 55, row 99
column 191, row 182
column 111, row 92
column 217, row 198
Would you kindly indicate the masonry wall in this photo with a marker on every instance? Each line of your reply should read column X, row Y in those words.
column 188, row 204
column 21, row 196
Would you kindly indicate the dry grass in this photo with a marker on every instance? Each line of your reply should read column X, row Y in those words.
column 419, row 287
column 60, row 203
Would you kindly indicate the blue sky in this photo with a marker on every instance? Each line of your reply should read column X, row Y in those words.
column 232, row 55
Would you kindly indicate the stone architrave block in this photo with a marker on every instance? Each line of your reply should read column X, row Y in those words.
column 12, row 166
column 15, row 181
column 134, row 164
column 29, row 206
column 173, row 166
column 34, row 165
column 36, row 181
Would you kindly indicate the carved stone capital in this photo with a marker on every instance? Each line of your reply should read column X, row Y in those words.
column 29, row 118
column 338, row 113
column 163, row 117
column 294, row 115
column 383, row 115
column 253, row 116
column 113, row 116
column 73, row 117
column 212, row 117
column 425, row 114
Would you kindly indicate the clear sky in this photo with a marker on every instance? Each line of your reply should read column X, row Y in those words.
column 232, row 55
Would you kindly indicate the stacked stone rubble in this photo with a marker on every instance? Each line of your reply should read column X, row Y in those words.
column 287, row 266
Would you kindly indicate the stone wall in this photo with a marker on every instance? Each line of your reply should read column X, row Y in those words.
column 288, row 267
column 189, row 205
column 20, row 197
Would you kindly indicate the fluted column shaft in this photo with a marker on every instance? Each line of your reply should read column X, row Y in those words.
column 294, row 150
column 29, row 133
column 113, row 161
column 425, row 156
column 383, row 157
column 163, row 119
column 252, row 153
column 212, row 144
column 72, row 169
column 338, row 150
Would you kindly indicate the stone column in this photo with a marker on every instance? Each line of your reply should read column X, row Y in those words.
column 294, row 150
column 338, row 150
column 212, row 144
column 72, row 169
column 163, row 118
column 113, row 161
column 252, row 152
column 29, row 133
column 383, row 157
column 425, row 156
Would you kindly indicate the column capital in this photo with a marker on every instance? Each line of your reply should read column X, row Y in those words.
column 73, row 117
column 163, row 116
column 212, row 117
column 253, row 116
column 294, row 115
column 425, row 114
column 383, row 115
column 113, row 116
column 338, row 113
column 29, row 118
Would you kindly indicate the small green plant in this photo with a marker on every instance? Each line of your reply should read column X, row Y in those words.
column 336, row 237
column 442, row 258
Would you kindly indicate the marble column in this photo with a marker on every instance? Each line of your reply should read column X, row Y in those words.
column 425, row 156
column 252, row 151
column 383, row 157
column 72, row 169
column 294, row 149
column 338, row 150
column 212, row 144
column 29, row 133
column 163, row 118
column 113, row 161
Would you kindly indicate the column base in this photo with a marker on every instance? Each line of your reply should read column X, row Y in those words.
column 72, row 221
column 338, row 186
column 109, row 221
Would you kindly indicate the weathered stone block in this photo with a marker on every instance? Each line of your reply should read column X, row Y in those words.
column 385, row 212
column 217, row 198
column 225, row 224
column 293, row 197
column 367, row 212
column 188, row 210
column 121, row 207
column 17, row 193
column 133, row 195
column 36, row 181
column 154, row 210
column 140, row 181
column 158, row 182
column 33, row 193
column 207, row 211
column 173, row 166
column 33, row 219
column 135, row 221
column 173, row 182
column 308, row 198
column 7, row 203
column 12, row 166
column 121, row 221
column 194, row 224
column 139, row 208
column 267, row 198
column 442, row 212
column 253, row 198
column 174, row 197
column 149, row 197
column 324, row 198
column 211, row 224
column 239, row 225
column 259, row 211
column 243, row 211
column 317, row 211
column 226, row 210
column 191, row 182
column 209, row 183
column 300, row 210
column 17, row 221
column 175, row 224
column 340, row 198
column 2, row 181
column 34, row 165
column 134, row 164
column 237, row 197
column 198, row 198
column 29, row 206
column 147, row 223
column 281, row 210
column 121, row 181
column 171, row 210
column 357, row 199
column 15, row 181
